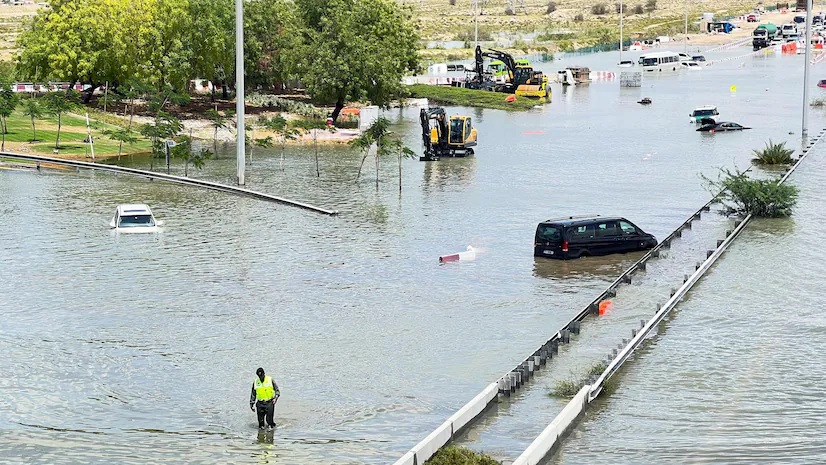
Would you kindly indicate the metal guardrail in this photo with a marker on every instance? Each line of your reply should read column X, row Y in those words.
column 729, row 45
column 521, row 374
column 168, row 177
column 554, row 432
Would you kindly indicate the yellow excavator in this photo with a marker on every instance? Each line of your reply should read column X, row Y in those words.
column 521, row 79
column 445, row 136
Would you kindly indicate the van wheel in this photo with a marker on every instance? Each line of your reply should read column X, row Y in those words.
column 584, row 253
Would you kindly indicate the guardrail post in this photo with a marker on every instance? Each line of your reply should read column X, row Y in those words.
column 709, row 253
column 642, row 322
column 537, row 363
column 655, row 253
column 633, row 332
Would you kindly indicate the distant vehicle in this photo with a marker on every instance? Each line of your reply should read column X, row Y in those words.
column 763, row 35
column 698, row 58
column 684, row 57
column 583, row 236
column 134, row 218
column 692, row 65
column 708, row 126
column 626, row 64
column 821, row 83
column 446, row 136
column 788, row 30
column 752, row 18
column 799, row 19
column 704, row 113
column 660, row 61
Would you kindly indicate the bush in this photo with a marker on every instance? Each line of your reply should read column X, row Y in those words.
column 452, row 2
column 619, row 8
column 551, row 8
column 566, row 388
column 509, row 11
column 650, row 5
column 468, row 34
column 579, row 17
column 599, row 9
column 773, row 154
column 454, row 455
column 818, row 102
column 638, row 10
column 758, row 197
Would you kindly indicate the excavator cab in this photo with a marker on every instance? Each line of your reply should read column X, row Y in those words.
column 446, row 136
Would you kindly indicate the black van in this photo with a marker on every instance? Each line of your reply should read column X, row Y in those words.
column 582, row 236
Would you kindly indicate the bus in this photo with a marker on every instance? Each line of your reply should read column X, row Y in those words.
column 660, row 61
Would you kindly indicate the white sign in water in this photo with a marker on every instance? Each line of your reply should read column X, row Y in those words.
column 631, row 79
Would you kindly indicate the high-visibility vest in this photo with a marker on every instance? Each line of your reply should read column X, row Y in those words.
column 264, row 390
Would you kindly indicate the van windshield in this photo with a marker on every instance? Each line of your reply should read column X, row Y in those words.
column 548, row 233
column 705, row 112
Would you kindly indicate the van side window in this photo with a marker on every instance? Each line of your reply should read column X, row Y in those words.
column 585, row 231
column 627, row 228
column 607, row 229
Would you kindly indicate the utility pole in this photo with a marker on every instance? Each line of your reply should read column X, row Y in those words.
column 808, row 44
column 620, row 48
column 239, row 90
column 685, row 36
column 475, row 23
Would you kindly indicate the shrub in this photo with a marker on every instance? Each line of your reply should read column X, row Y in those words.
column 599, row 9
column 758, row 197
column 818, row 102
column 638, row 10
column 454, row 455
column 551, row 8
column 619, row 7
column 452, row 2
column 773, row 154
column 509, row 11
column 579, row 17
column 566, row 388
column 650, row 5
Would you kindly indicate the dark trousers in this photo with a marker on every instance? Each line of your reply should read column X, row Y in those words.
column 265, row 408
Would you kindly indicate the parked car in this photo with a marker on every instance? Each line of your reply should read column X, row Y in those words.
column 134, row 218
column 582, row 236
column 693, row 65
column 698, row 58
column 752, row 18
column 709, row 126
column 821, row 83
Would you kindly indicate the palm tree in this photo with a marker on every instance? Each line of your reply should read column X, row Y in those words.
column 33, row 109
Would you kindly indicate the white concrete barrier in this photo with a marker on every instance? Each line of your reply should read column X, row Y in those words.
column 435, row 440
column 406, row 459
column 548, row 438
column 473, row 408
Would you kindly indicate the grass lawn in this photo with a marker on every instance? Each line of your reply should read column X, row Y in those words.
column 72, row 133
column 469, row 97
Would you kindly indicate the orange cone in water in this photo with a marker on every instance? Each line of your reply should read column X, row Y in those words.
column 605, row 306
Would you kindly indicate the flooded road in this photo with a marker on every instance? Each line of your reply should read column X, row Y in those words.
column 142, row 349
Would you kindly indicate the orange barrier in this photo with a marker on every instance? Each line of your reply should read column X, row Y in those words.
column 605, row 306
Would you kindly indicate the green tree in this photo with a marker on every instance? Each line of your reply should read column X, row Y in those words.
column 196, row 157
column 8, row 102
column 360, row 50
column 33, row 109
column 212, row 40
column 121, row 135
column 218, row 121
column 383, row 142
column 271, row 30
column 59, row 103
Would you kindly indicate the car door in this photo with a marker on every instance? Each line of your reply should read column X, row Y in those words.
column 632, row 236
column 607, row 238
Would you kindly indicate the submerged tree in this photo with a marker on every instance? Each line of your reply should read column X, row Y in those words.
column 383, row 142
column 121, row 135
column 758, row 197
column 773, row 154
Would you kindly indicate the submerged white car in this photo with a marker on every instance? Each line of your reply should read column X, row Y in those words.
column 134, row 218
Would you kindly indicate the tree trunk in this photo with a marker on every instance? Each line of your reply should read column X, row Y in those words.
column 3, row 145
column 315, row 146
column 400, row 169
column 34, row 132
column 215, row 142
column 377, row 167
column 337, row 110
column 186, row 168
column 105, row 96
column 224, row 92
column 57, row 140
column 358, row 175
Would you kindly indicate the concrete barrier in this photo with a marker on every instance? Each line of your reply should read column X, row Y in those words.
column 551, row 435
column 168, row 177
column 472, row 409
column 433, row 442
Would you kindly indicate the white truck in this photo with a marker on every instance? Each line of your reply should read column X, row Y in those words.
column 788, row 30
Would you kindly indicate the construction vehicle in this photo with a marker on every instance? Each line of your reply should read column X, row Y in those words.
column 763, row 35
column 520, row 79
column 445, row 136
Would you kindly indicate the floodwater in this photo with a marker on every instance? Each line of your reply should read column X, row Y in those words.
column 142, row 349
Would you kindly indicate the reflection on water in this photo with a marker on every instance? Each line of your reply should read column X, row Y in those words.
column 449, row 173
column 609, row 266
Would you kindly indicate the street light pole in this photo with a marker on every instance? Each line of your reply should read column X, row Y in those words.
column 685, row 36
column 239, row 90
column 476, row 24
column 620, row 44
column 807, row 42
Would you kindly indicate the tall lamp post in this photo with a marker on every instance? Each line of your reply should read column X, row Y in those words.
column 239, row 90
column 808, row 44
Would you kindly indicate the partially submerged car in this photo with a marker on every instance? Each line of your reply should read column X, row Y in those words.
column 134, row 218
column 710, row 126
column 582, row 236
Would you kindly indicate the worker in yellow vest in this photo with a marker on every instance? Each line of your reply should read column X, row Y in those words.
column 264, row 395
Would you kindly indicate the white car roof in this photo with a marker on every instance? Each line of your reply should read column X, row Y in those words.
column 134, row 209
column 706, row 107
